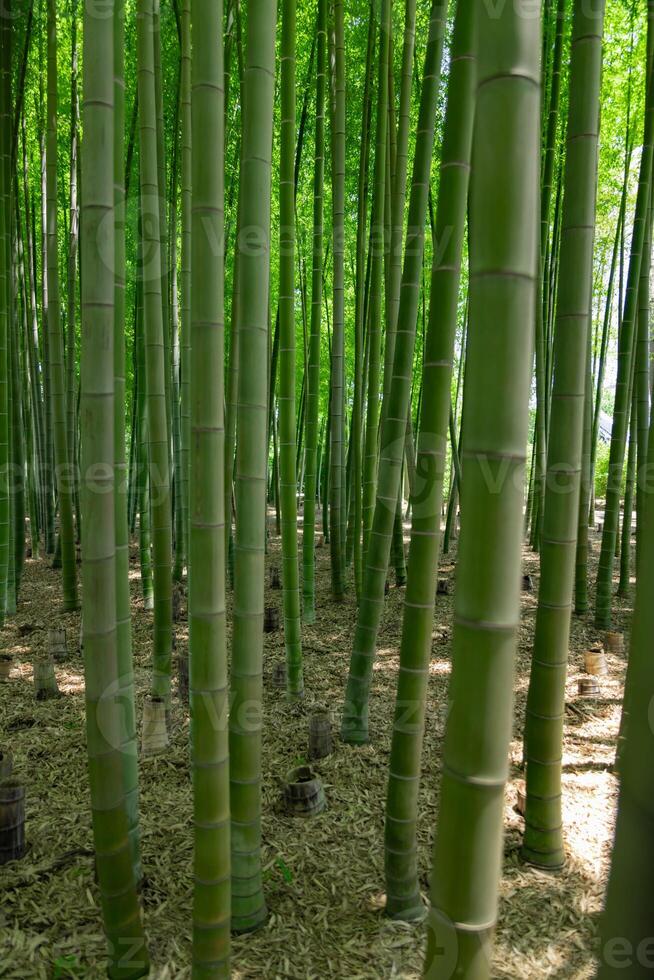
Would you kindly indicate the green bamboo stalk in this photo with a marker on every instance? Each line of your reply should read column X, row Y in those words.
column 337, row 503
column 31, row 341
column 63, row 469
column 180, row 536
column 626, row 924
column 582, row 550
column 359, row 312
column 628, row 503
column 105, row 728
column 543, row 839
column 313, row 370
column 155, row 365
column 185, row 265
column 163, row 216
column 601, row 364
column 143, row 491
column 123, row 599
column 287, row 422
column 73, row 244
column 5, row 299
column 642, row 380
column 554, row 78
column 402, row 889
column 503, row 277
column 625, row 347
column 48, row 472
column 376, row 273
column 355, row 715
column 207, row 617
column 248, row 904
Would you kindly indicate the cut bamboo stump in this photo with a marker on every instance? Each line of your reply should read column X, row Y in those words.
column 182, row 675
column 56, row 644
column 6, row 763
column 5, row 666
column 304, row 795
column 271, row 619
column 279, row 675
column 588, row 687
column 443, row 587
column 320, row 735
column 615, row 642
column 527, row 583
column 45, row 679
column 595, row 661
column 320, row 541
column 275, row 580
column 12, row 820
column 179, row 610
column 154, row 738
column 521, row 802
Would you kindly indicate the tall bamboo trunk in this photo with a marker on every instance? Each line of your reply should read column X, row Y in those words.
column 287, row 423
column 503, row 275
column 402, row 888
column 337, row 502
column 106, row 732
column 248, row 904
column 313, row 364
column 123, row 599
column 543, row 840
column 63, row 469
column 207, row 618
column 155, row 365
column 395, row 412
column 626, row 341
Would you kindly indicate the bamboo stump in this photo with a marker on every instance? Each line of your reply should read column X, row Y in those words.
column 5, row 666
column 279, row 675
column 56, row 644
column 12, row 820
column 271, row 619
column 45, row 679
column 615, row 642
column 275, row 580
column 304, row 795
column 588, row 687
column 320, row 735
column 595, row 661
column 182, row 675
column 154, row 737
column 179, row 611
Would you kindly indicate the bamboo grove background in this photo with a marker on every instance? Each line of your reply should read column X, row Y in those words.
column 342, row 272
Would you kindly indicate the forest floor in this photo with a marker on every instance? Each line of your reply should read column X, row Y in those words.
column 323, row 876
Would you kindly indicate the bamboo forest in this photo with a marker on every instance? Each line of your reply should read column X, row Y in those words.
column 326, row 489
